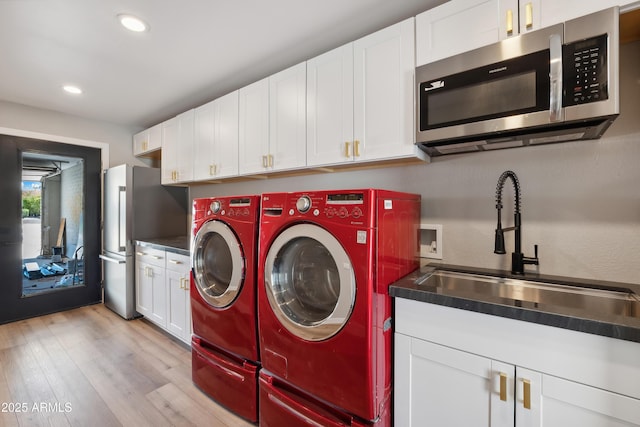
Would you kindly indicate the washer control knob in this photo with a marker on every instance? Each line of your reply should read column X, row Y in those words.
column 303, row 204
column 215, row 206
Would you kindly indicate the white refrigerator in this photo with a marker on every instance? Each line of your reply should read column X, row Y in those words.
column 136, row 207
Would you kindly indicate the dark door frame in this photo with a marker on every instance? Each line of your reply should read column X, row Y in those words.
column 12, row 305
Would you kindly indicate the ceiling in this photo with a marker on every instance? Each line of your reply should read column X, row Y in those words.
column 195, row 51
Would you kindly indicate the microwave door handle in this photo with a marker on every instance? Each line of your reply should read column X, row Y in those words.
column 555, row 78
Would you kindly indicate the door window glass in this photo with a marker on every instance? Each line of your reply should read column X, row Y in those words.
column 310, row 282
column 307, row 281
column 216, row 265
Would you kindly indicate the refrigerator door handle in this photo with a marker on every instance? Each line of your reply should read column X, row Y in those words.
column 122, row 219
column 114, row 260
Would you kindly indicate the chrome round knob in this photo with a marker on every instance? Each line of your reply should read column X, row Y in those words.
column 303, row 204
column 215, row 206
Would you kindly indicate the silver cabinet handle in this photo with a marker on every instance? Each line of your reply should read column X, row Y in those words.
column 109, row 259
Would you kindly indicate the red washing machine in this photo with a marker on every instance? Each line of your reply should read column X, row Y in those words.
column 326, row 261
column 224, row 345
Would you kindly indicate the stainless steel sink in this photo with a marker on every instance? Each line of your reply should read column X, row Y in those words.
column 533, row 294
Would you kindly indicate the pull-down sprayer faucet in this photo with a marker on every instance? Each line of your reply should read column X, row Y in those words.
column 518, row 260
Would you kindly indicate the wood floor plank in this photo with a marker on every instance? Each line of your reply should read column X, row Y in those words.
column 128, row 405
column 80, row 401
column 28, row 387
column 179, row 409
column 7, row 416
column 112, row 372
column 10, row 336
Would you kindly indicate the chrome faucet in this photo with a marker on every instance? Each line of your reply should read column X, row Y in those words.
column 518, row 260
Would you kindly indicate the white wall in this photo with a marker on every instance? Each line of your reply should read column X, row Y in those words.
column 580, row 200
column 21, row 120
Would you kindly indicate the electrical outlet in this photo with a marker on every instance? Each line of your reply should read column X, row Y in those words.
column 431, row 241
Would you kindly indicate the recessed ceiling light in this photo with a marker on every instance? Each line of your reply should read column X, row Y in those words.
column 72, row 89
column 132, row 23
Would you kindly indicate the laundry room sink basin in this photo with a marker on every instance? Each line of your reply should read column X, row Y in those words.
column 533, row 294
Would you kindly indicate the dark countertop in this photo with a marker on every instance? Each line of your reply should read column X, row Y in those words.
column 177, row 244
column 625, row 327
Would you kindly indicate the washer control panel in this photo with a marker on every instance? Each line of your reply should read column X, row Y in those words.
column 350, row 207
column 244, row 208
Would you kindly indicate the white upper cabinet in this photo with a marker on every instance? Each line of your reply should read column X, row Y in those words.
column 273, row 122
column 384, row 69
column 360, row 99
column 177, row 149
column 462, row 25
column 330, row 107
column 287, row 119
column 216, row 139
column 147, row 141
column 254, row 127
column 169, row 161
column 543, row 13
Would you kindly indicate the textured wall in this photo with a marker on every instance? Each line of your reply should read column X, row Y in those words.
column 580, row 200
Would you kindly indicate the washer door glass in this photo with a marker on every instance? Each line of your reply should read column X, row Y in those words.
column 218, row 264
column 310, row 282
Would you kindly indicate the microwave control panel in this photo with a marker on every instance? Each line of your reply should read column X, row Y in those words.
column 585, row 71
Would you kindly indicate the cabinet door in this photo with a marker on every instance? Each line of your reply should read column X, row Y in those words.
column 178, row 286
column 440, row 386
column 226, row 136
column 169, row 161
column 144, row 290
column 204, row 148
column 330, row 107
column 186, row 125
column 148, row 140
column 151, row 296
column 287, row 118
column 156, row 277
column 460, row 25
column 254, row 128
column 384, row 69
column 140, row 142
column 550, row 12
column 216, row 139
column 557, row 402
column 178, row 303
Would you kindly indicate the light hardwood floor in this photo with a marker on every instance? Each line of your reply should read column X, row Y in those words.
column 89, row 367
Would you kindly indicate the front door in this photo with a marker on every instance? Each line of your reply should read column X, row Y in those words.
column 14, row 302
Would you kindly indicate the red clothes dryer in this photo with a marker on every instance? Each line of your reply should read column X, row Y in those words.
column 225, row 358
column 326, row 261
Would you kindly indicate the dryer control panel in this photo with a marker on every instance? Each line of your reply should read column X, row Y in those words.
column 350, row 207
column 242, row 208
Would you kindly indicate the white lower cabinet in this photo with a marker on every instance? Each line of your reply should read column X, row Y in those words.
column 178, row 303
column 151, row 300
column 459, row 381
column 162, row 290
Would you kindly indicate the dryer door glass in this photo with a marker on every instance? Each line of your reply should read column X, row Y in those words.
column 218, row 263
column 309, row 282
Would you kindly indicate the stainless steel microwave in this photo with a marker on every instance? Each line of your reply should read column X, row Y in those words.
column 555, row 84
